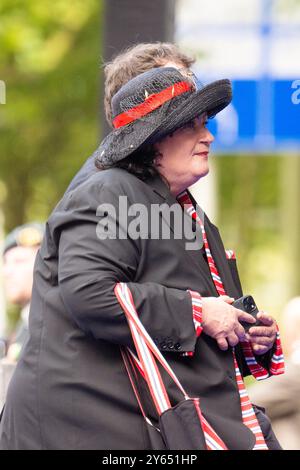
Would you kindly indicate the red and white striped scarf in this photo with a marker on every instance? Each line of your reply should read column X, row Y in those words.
column 248, row 415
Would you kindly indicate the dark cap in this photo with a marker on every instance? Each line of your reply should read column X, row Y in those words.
column 30, row 234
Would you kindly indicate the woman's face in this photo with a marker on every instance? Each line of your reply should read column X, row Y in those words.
column 184, row 155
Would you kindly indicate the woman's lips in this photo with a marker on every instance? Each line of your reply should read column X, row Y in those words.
column 202, row 154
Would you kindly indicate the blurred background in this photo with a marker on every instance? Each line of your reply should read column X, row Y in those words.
column 51, row 116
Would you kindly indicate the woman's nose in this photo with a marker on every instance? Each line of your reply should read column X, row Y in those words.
column 209, row 136
column 206, row 136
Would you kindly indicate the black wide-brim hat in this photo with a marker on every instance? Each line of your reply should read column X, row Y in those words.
column 155, row 104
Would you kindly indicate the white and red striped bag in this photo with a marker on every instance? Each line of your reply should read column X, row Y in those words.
column 181, row 427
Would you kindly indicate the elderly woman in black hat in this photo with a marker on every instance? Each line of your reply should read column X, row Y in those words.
column 71, row 389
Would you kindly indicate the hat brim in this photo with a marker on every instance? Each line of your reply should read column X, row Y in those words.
column 123, row 141
column 211, row 99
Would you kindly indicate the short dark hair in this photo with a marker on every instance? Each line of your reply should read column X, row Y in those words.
column 140, row 163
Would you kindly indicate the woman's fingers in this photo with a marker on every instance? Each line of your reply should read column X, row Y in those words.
column 259, row 349
column 262, row 337
column 233, row 339
column 265, row 318
column 260, row 340
column 227, row 299
column 222, row 343
column 268, row 331
column 243, row 316
column 240, row 332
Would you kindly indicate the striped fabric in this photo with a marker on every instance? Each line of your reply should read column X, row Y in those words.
column 277, row 360
column 197, row 316
column 230, row 254
column 257, row 370
column 248, row 415
column 197, row 311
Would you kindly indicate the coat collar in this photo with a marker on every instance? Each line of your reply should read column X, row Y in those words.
column 161, row 188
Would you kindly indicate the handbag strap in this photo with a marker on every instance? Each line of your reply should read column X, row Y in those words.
column 147, row 352
column 133, row 380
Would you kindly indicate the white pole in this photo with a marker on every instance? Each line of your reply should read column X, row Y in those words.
column 2, row 301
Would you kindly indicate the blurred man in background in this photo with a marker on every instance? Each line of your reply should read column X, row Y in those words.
column 281, row 397
column 20, row 249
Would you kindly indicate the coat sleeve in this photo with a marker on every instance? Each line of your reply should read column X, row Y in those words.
column 90, row 266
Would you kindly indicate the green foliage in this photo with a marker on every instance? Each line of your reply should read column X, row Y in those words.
column 49, row 60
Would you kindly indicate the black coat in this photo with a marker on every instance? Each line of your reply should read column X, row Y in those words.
column 88, row 169
column 70, row 389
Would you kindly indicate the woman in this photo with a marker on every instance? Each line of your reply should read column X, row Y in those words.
column 70, row 389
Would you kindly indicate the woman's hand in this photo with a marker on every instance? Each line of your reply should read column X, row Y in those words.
column 221, row 321
column 262, row 337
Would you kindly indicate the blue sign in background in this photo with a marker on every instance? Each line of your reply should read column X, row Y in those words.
column 266, row 118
